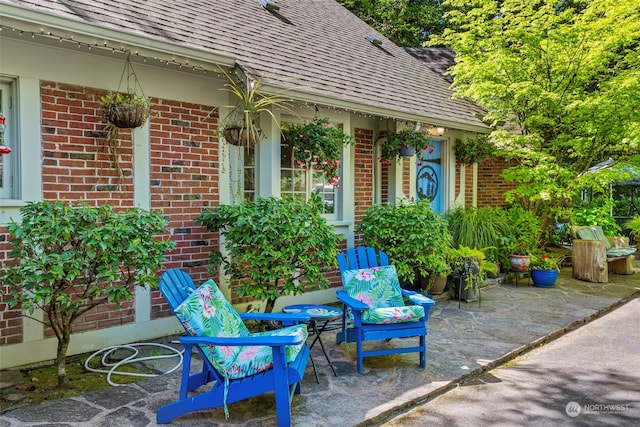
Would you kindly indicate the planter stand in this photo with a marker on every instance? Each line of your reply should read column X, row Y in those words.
column 460, row 279
column 517, row 274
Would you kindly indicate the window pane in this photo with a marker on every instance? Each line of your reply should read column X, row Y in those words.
column 299, row 183
column 8, row 161
column 249, row 176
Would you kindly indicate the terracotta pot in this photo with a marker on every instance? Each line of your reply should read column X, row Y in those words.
column 519, row 262
column 438, row 283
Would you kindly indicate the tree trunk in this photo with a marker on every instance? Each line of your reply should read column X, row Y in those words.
column 61, row 358
column 268, row 308
column 589, row 261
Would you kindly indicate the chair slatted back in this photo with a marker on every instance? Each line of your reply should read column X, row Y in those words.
column 361, row 257
column 176, row 286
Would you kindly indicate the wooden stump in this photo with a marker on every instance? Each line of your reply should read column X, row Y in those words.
column 622, row 265
column 589, row 261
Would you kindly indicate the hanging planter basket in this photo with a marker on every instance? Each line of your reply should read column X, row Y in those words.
column 125, row 110
column 239, row 136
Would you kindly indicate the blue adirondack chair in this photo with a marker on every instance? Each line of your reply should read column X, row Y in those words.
column 372, row 297
column 238, row 363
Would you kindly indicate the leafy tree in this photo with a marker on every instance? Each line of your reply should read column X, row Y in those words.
column 69, row 260
column 275, row 246
column 404, row 22
column 564, row 77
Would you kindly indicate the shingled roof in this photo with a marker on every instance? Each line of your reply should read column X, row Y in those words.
column 438, row 59
column 317, row 46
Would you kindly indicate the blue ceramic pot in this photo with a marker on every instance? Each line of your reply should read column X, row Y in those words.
column 408, row 151
column 544, row 278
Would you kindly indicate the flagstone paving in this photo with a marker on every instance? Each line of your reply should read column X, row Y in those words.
column 462, row 343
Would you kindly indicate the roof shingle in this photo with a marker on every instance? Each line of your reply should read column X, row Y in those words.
column 318, row 42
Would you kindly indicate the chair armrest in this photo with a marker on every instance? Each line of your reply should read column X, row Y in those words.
column 292, row 318
column 618, row 241
column 419, row 299
column 270, row 340
column 352, row 303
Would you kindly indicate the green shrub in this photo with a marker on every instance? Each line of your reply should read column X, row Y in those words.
column 275, row 246
column 597, row 213
column 414, row 237
column 71, row 259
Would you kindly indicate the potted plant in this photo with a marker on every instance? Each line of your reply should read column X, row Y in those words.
column 274, row 246
column 414, row 237
column 474, row 150
column 520, row 257
column 634, row 225
column 520, row 238
column 481, row 228
column 544, row 271
column 317, row 146
column 402, row 144
column 470, row 266
column 125, row 110
column 241, row 126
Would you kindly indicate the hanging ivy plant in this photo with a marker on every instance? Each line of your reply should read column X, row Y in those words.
column 474, row 150
column 317, row 146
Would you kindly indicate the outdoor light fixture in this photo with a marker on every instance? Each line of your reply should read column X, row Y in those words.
column 271, row 6
column 373, row 39
column 416, row 127
column 436, row 130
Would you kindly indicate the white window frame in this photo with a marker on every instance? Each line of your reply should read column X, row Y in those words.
column 9, row 162
column 309, row 185
column 26, row 128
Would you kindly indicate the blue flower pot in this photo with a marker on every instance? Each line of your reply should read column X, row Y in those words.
column 544, row 278
column 408, row 151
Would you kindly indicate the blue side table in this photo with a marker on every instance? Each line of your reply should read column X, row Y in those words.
column 318, row 313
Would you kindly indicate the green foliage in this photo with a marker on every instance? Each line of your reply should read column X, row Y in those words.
column 394, row 142
column 479, row 228
column 495, row 231
column 411, row 234
column 250, row 103
column 317, row 146
column 275, row 246
column 116, row 98
column 523, row 235
column 543, row 262
column 70, row 259
column 404, row 23
column 474, row 150
column 597, row 213
column 634, row 225
column 471, row 263
column 563, row 77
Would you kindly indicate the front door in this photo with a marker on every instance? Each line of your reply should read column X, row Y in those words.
column 429, row 175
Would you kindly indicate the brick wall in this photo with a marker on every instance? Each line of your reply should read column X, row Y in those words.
column 406, row 176
column 363, row 171
column 491, row 184
column 77, row 164
column 184, row 181
column 10, row 318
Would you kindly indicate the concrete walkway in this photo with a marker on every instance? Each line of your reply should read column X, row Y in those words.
column 588, row 377
column 463, row 344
